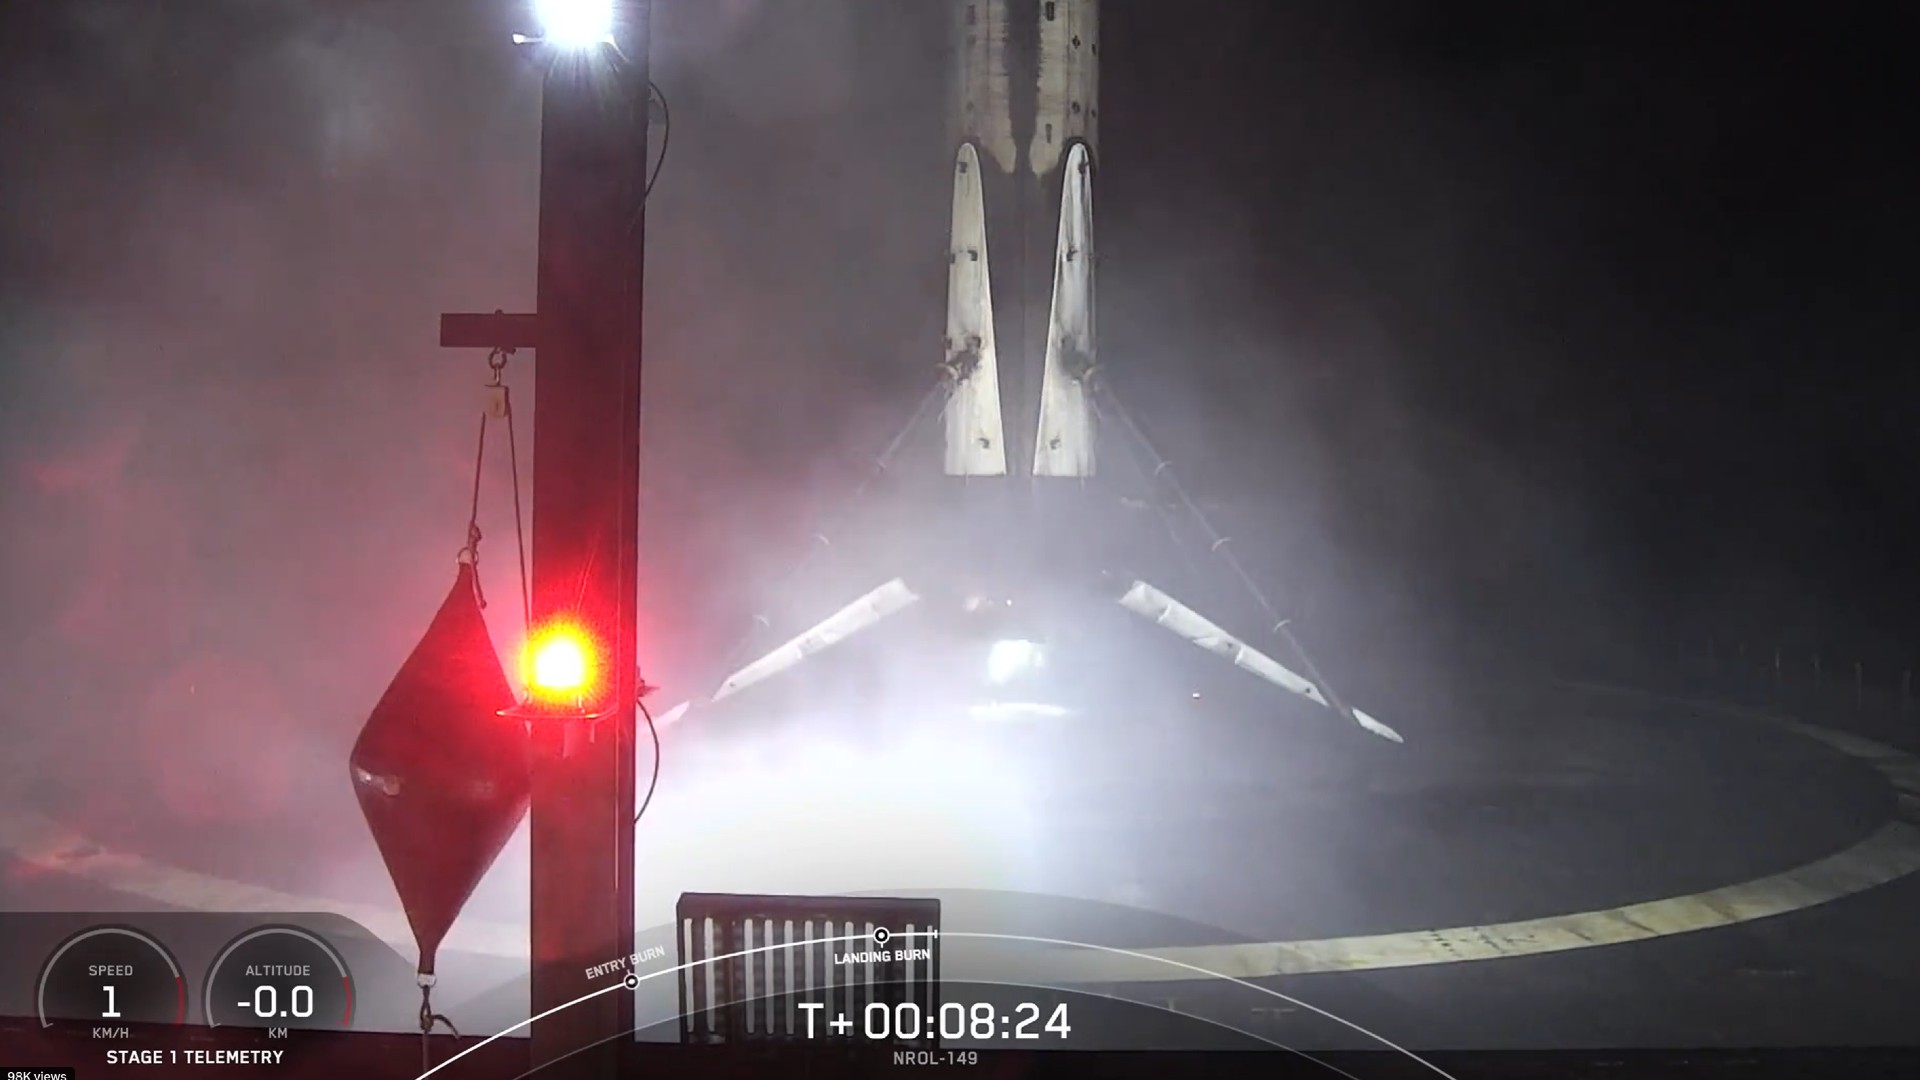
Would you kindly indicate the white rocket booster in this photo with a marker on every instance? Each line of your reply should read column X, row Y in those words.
column 1020, row 288
column 1020, row 335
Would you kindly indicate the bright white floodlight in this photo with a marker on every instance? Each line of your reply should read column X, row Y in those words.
column 575, row 24
column 1008, row 659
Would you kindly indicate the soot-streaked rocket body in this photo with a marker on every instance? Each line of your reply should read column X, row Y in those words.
column 1024, row 114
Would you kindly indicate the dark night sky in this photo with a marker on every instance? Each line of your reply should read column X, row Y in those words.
column 1649, row 260
column 1521, row 320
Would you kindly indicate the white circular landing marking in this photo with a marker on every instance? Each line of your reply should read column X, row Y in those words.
column 1890, row 853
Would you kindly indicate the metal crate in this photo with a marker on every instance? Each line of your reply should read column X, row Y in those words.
column 747, row 962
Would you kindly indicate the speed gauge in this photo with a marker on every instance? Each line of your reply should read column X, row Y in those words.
column 112, row 975
column 279, row 977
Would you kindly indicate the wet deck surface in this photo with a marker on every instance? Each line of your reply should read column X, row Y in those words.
column 1502, row 806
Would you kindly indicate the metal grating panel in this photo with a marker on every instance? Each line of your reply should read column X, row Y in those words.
column 748, row 962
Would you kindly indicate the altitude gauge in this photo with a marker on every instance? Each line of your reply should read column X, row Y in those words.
column 111, row 975
column 279, row 976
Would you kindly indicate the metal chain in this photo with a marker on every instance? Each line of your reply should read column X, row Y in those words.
column 429, row 1020
column 499, row 406
column 470, row 555
column 519, row 519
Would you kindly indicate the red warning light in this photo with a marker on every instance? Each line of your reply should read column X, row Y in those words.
column 561, row 666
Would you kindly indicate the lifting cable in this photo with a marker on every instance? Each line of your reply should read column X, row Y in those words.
column 1162, row 469
column 654, row 93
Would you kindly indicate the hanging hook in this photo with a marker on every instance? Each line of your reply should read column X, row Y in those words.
column 470, row 555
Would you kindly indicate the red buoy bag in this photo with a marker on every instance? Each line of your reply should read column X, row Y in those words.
column 440, row 775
